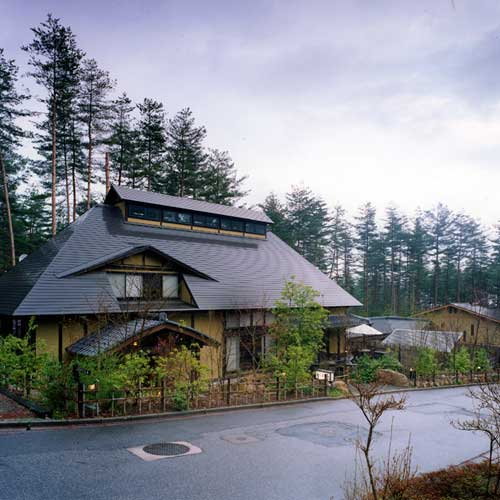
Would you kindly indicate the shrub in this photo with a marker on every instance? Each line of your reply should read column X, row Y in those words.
column 53, row 382
column 426, row 362
column 367, row 368
column 462, row 361
column 482, row 361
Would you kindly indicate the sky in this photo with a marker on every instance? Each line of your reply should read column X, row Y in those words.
column 393, row 102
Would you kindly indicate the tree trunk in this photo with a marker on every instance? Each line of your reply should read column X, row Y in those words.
column 54, row 136
column 106, row 170
column 89, row 168
column 9, row 213
column 66, row 181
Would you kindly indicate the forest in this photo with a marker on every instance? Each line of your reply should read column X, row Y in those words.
column 85, row 132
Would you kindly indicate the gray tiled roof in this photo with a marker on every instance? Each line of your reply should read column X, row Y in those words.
column 164, row 200
column 477, row 309
column 115, row 334
column 441, row 341
column 247, row 273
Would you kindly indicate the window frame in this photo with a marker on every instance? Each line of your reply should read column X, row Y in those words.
column 261, row 225
column 205, row 217
column 148, row 209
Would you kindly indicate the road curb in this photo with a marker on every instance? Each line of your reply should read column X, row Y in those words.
column 48, row 422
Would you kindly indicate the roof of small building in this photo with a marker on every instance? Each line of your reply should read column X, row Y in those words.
column 387, row 324
column 489, row 313
column 441, row 341
column 221, row 272
column 113, row 335
column 118, row 193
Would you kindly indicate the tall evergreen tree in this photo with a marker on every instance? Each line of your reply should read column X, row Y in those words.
column 152, row 146
column 96, row 85
column 11, row 101
column 308, row 222
column 186, row 156
column 494, row 266
column 366, row 241
column 276, row 211
column 340, row 247
column 394, row 240
column 221, row 183
column 53, row 52
column 439, row 224
column 417, row 265
column 121, row 141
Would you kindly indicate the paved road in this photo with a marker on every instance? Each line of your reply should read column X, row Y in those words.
column 296, row 452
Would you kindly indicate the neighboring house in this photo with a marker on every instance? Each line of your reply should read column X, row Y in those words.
column 479, row 325
column 145, row 268
column 387, row 324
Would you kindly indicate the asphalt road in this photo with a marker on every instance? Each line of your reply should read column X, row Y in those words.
column 296, row 452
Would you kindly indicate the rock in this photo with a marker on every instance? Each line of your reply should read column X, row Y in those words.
column 341, row 386
column 392, row 377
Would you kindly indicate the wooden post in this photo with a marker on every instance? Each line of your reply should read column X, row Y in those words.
column 140, row 399
column 228, row 392
column 163, row 392
column 277, row 388
column 106, row 170
column 326, row 385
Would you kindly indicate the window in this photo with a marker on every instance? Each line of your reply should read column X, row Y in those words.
column 169, row 216
column 117, row 281
column 232, row 354
column 152, row 286
column 170, row 286
column 206, row 220
column 184, row 218
column 255, row 228
column 126, row 285
column 143, row 212
column 231, row 224
column 133, row 283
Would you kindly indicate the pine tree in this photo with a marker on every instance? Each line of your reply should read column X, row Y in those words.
column 308, row 221
column 439, row 223
column 417, row 268
column 152, row 146
column 394, row 239
column 494, row 266
column 340, row 247
column 121, row 141
column 186, row 156
column 221, row 183
column 366, row 240
column 276, row 211
column 53, row 53
column 94, row 105
column 10, row 136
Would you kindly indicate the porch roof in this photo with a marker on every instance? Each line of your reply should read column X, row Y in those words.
column 113, row 335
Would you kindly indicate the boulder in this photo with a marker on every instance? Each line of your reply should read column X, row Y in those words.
column 341, row 386
column 392, row 377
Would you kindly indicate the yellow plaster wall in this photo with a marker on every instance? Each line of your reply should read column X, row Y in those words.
column 212, row 324
column 47, row 335
column 485, row 331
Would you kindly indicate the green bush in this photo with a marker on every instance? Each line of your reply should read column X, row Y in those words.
column 54, row 383
column 367, row 368
column 427, row 364
column 180, row 400
column 482, row 361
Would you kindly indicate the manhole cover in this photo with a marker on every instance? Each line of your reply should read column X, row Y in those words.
column 166, row 449
column 159, row 451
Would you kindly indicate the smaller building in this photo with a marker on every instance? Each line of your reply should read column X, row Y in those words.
column 479, row 325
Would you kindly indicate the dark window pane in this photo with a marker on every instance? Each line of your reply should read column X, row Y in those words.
column 169, row 216
column 255, row 228
column 153, row 213
column 237, row 225
column 184, row 218
column 205, row 220
column 137, row 211
column 226, row 224
column 152, row 286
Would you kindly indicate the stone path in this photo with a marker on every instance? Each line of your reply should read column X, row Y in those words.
column 9, row 409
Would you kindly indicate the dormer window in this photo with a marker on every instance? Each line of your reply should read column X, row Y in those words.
column 176, row 217
column 150, row 286
column 204, row 220
column 232, row 224
column 144, row 212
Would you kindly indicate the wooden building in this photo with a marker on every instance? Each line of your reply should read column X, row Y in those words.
column 145, row 267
